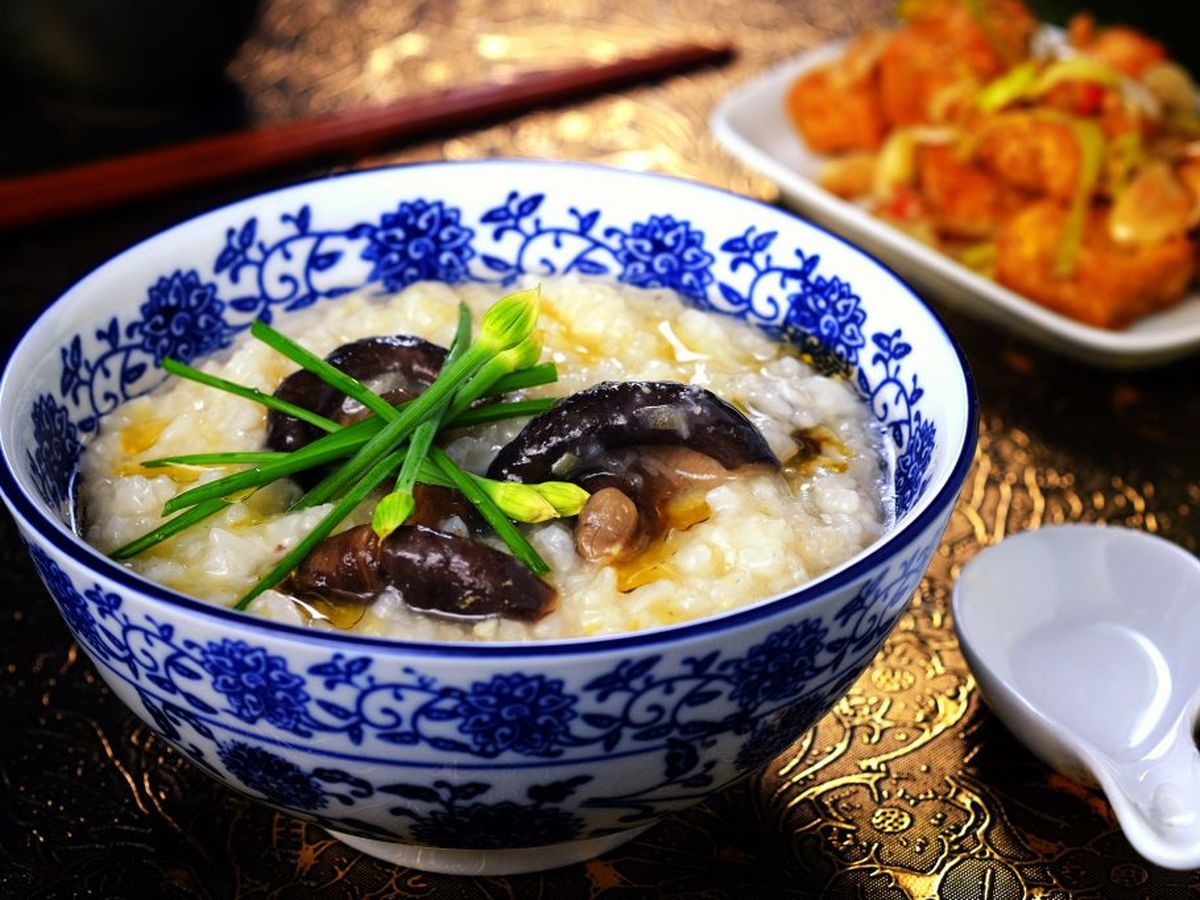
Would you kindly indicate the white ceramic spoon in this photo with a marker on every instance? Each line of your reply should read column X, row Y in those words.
column 1086, row 643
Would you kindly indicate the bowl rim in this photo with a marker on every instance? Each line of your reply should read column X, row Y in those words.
column 885, row 547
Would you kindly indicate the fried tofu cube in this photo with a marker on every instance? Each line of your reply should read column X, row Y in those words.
column 1037, row 155
column 966, row 200
column 834, row 115
column 1109, row 285
column 945, row 44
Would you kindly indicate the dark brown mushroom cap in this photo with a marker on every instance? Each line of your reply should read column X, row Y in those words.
column 430, row 570
column 396, row 366
column 613, row 415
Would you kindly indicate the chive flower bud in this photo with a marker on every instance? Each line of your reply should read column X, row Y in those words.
column 520, row 502
column 510, row 320
column 523, row 355
column 391, row 512
column 566, row 498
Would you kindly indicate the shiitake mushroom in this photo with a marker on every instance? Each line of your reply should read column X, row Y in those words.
column 430, row 570
column 398, row 367
column 637, row 447
column 617, row 414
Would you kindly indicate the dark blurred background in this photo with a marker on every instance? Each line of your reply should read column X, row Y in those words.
column 88, row 78
column 91, row 78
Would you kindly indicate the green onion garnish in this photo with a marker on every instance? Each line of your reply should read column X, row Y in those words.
column 504, row 326
column 520, row 357
column 478, row 415
column 253, row 457
column 502, row 358
column 394, row 509
column 517, row 500
column 175, row 367
column 495, row 412
column 516, row 542
column 317, row 453
column 331, row 375
column 543, row 373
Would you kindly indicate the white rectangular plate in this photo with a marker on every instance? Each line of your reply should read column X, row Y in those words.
column 753, row 124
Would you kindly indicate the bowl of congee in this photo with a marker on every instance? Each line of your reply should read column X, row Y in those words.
column 484, row 513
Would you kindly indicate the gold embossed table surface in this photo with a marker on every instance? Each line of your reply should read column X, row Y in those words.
column 907, row 790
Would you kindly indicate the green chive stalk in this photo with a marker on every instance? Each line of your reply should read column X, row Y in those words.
column 501, row 359
column 317, row 453
column 495, row 412
column 506, row 324
column 328, row 373
column 231, row 458
column 394, row 509
column 349, row 443
column 508, row 532
column 542, row 373
column 522, row 356
column 175, row 367
column 567, row 499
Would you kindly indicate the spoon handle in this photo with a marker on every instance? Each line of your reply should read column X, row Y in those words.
column 1158, row 802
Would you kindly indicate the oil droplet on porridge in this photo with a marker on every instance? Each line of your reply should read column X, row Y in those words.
column 655, row 562
column 140, row 435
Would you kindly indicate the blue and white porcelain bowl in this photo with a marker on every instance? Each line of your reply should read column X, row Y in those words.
column 486, row 758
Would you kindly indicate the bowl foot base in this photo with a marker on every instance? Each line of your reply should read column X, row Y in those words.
column 488, row 862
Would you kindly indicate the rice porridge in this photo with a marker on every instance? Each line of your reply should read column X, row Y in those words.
column 748, row 537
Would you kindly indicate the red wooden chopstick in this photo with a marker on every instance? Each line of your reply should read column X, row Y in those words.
column 62, row 192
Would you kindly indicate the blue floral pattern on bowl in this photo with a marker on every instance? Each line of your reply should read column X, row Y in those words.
column 427, row 239
column 829, row 311
column 513, row 714
column 58, row 449
column 529, row 715
column 665, row 253
column 217, row 693
column 181, row 318
column 278, row 780
column 449, row 819
column 421, row 241
column 256, row 684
